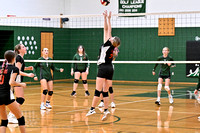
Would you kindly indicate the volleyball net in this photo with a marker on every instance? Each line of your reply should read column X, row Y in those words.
column 142, row 35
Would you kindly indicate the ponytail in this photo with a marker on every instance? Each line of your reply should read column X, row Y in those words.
column 2, row 70
column 17, row 48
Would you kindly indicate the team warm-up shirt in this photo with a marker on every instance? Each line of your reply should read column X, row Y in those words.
column 164, row 68
column 45, row 68
column 4, row 83
column 80, row 66
column 20, row 60
column 106, row 53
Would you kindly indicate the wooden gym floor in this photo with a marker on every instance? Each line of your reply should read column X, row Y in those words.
column 135, row 110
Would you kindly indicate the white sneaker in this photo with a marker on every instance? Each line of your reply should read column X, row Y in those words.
column 90, row 112
column 48, row 105
column 105, row 115
column 112, row 105
column 101, row 105
column 42, row 112
column 171, row 101
column 42, row 107
column 198, row 100
column 12, row 119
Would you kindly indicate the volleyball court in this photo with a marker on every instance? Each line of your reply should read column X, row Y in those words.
column 143, row 37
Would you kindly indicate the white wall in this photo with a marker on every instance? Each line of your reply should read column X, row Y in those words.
column 172, row 5
column 31, row 7
column 92, row 7
column 75, row 7
column 152, row 6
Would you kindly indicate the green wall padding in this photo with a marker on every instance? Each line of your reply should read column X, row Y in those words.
column 137, row 44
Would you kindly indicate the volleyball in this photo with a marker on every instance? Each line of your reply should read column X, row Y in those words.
column 105, row 2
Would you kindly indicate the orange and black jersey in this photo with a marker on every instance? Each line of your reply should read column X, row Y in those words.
column 106, row 53
column 5, row 78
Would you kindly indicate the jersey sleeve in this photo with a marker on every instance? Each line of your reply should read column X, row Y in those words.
column 16, row 70
column 74, row 58
column 18, row 59
column 35, row 68
column 172, row 65
column 158, row 59
column 53, row 67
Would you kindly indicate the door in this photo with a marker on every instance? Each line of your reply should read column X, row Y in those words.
column 47, row 42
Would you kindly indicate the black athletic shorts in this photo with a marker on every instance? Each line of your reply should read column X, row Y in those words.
column 81, row 71
column 165, row 77
column 5, row 100
column 105, row 71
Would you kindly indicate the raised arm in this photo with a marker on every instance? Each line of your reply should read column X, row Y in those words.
column 109, row 26
column 29, row 68
column 31, row 75
column 105, row 27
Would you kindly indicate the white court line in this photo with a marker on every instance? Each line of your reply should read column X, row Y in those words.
column 193, row 113
column 53, row 92
column 119, row 104
column 71, row 111
column 147, row 100
column 53, row 105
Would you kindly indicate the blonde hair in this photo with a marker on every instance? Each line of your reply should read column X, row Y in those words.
column 167, row 48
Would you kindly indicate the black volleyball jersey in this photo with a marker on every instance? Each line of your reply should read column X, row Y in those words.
column 4, row 83
column 20, row 60
column 106, row 53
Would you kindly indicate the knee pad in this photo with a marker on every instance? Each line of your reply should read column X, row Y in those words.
column 20, row 100
column 45, row 92
column 105, row 94
column 111, row 90
column 76, row 81
column 50, row 93
column 159, row 87
column 97, row 93
column 167, row 88
column 4, row 123
column 21, row 121
column 84, row 81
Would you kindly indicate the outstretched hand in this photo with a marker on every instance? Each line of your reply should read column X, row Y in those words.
column 109, row 16
column 35, row 78
column 105, row 13
column 61, row 70
column 153, row 73
column 31, row 75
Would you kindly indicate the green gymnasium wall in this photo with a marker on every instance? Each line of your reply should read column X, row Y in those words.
column 137, row 44
column 61, row 45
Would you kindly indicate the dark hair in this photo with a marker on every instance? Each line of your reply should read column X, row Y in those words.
column 83, row 49
column 9, row 56
column 17, row 48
